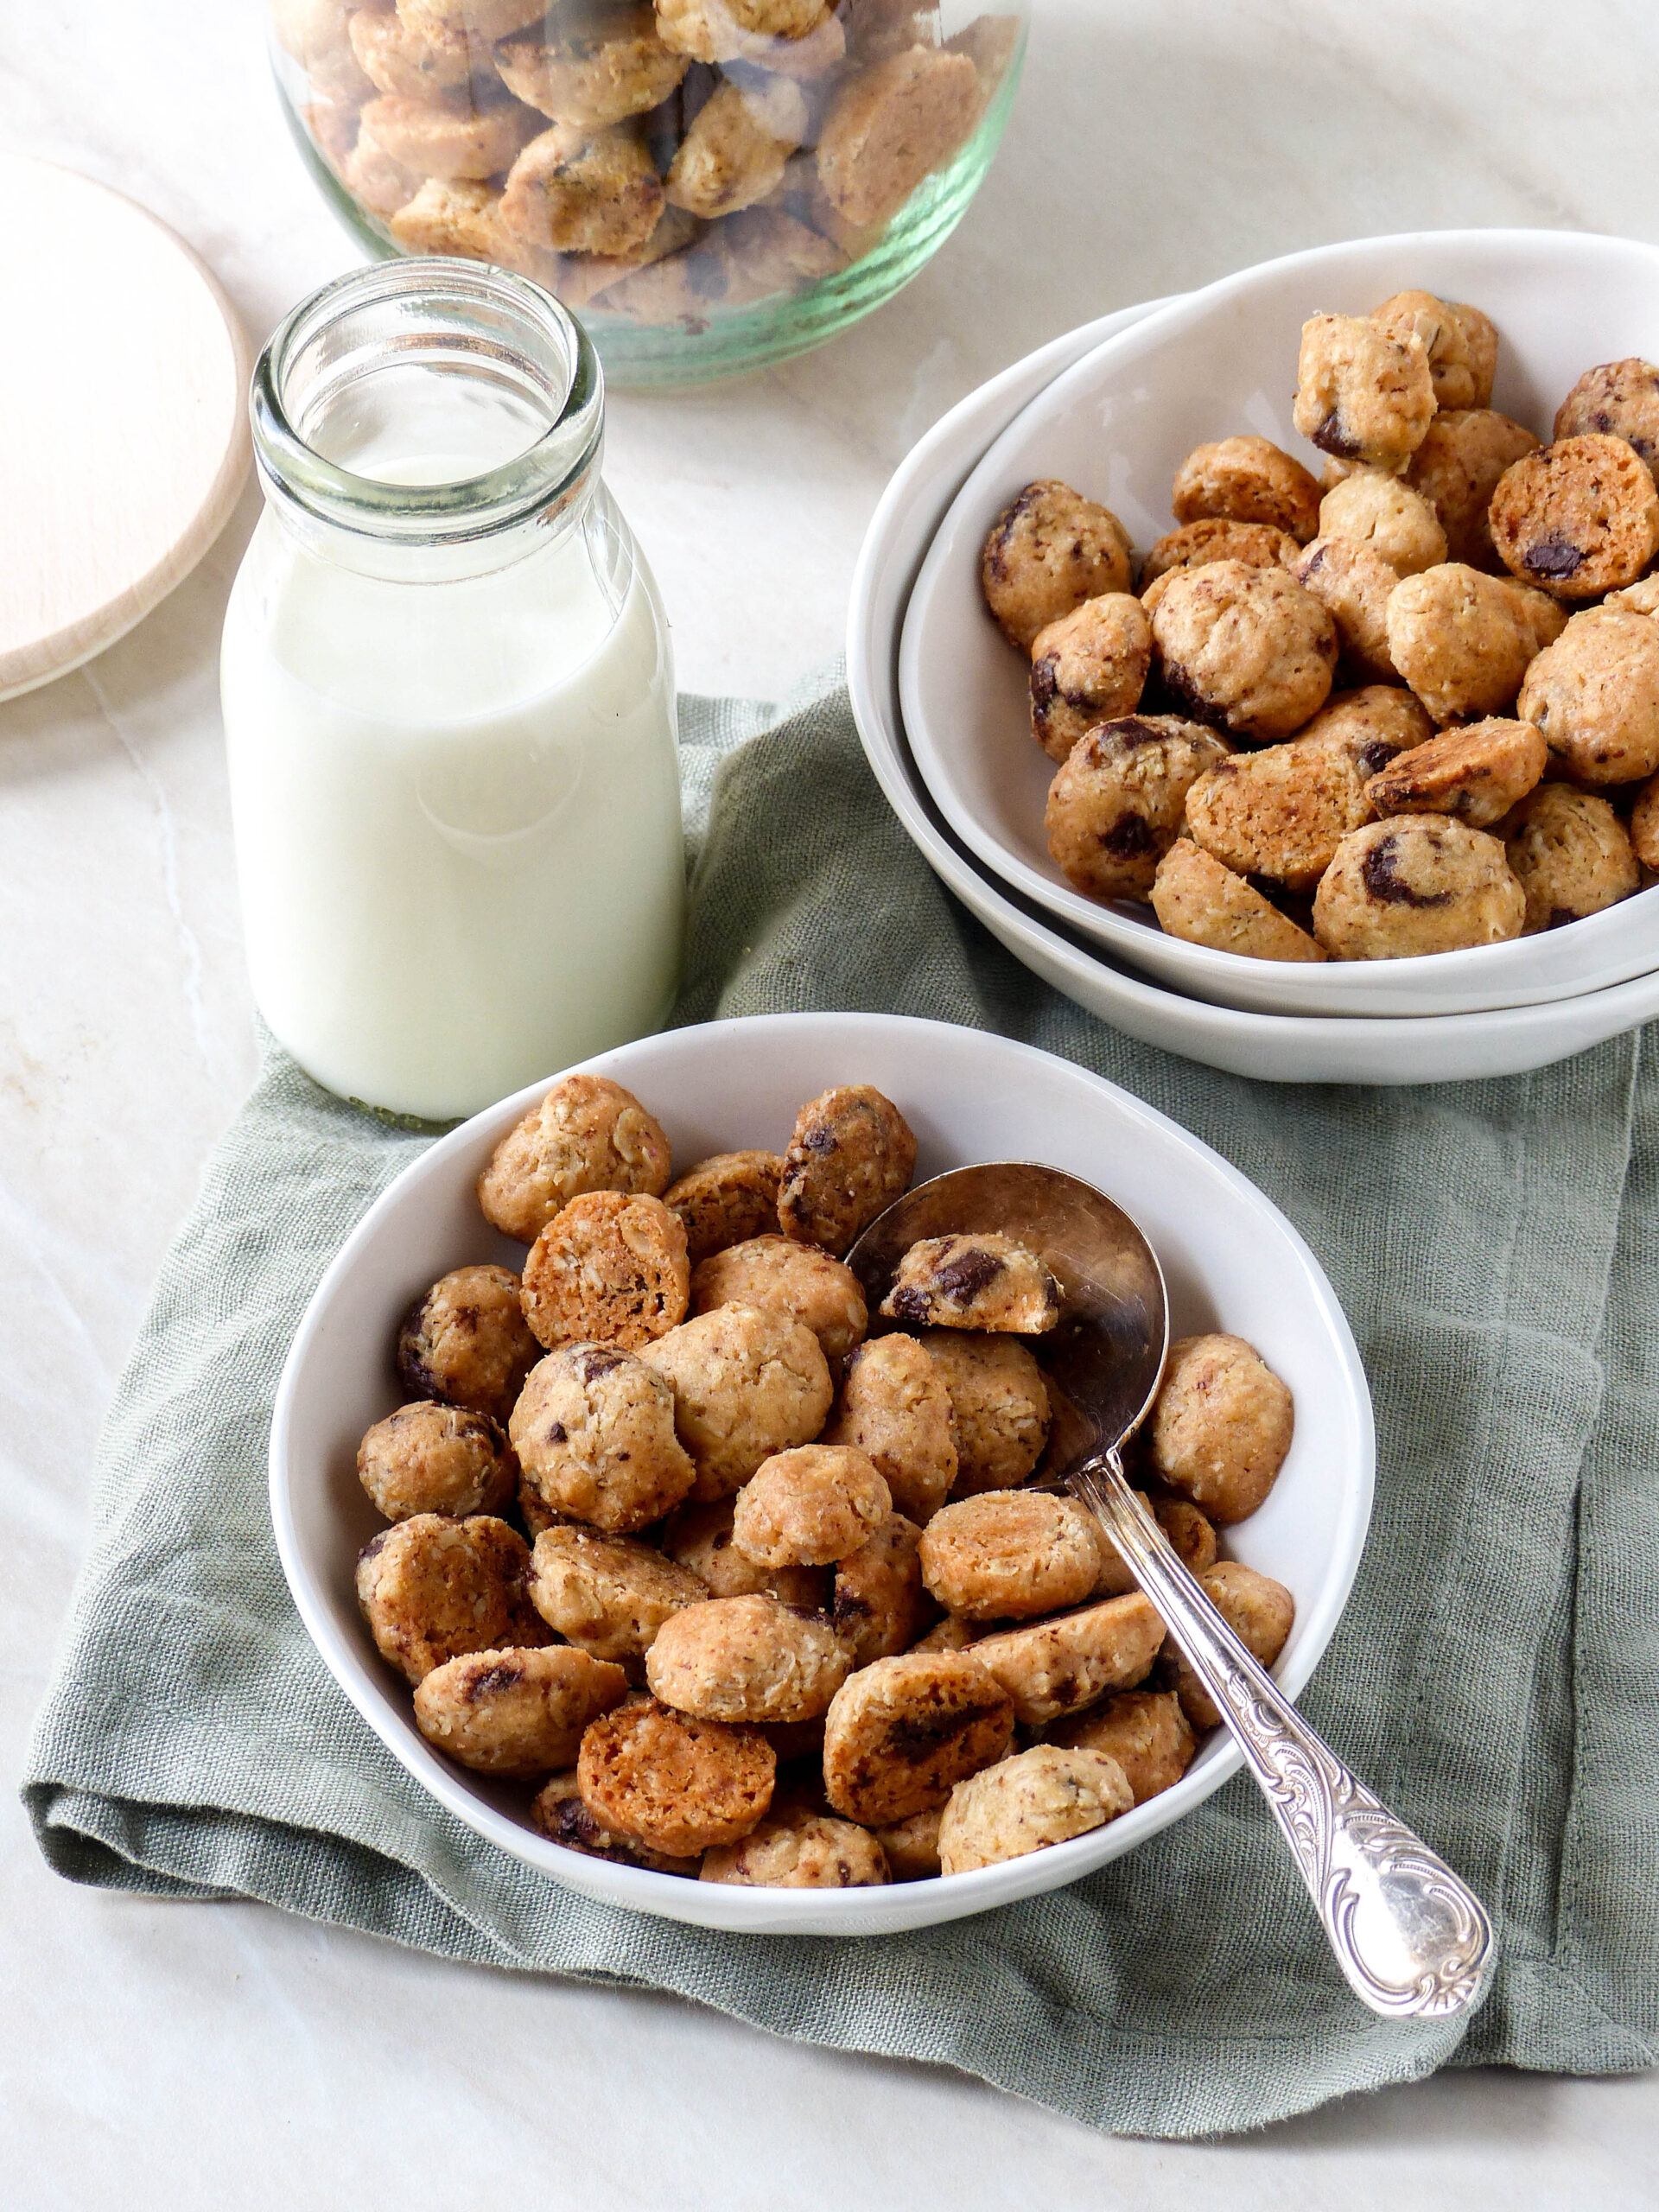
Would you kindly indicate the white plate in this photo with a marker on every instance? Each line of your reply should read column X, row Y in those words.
column 1273, row 1048
column 1117, row 423
column 1231, row 1261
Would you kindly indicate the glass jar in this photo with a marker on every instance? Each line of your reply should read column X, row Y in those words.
column 710, row 184
column 448, row 700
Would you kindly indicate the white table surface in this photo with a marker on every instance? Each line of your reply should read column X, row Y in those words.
column 214, row 2057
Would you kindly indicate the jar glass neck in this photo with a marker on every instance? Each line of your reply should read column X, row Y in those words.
column 428, row 419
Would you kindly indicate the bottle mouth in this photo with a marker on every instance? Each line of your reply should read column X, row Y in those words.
column 428, row 402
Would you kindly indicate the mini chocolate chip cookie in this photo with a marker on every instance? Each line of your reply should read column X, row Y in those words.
column 1460, row 341
column 396, row 60
column 432, row 1458
column 1281, row 812
column 1457, row 468
column 852, row 1153
column 735, row 151
column 1478, row 773
column 1010, row 1554
column 1000, row 1404
column 592, row 65
column 466, row 1342
column 456, row 217
column 1619, row 399
column 895, row 1406
column 610, row 1269
column 1116, row 803
column 746, row 1384
column 1258, row 544
column 1189, row 1530
column 810, row 1507
column 1594, row 693
column 1578, row 517
column 586, row 1135
column 1387, row 517
column 1221, row 1426
column 717, row 30
column 911, row 1848
column 447, row 134
column 726, row 1200
column 1373, row 724
column 485, row 19
column 1058, row 1666
column 1571, row 855
column 576, row 190
column 746, row 1659
column 1047, row 552
column 1245, row 649
column 880, row 1605
column 1354, row 585
column 676, row 1783
column 1246, row 479
column 432, row 1588
column 559, row 1815
column 797, row 1848
column 779, row 1275
column 594, row 1430
column 1464, row 641
column 1042, row 1796
column 890, row 126
column 608, row 1595
column 1199, row 899
column 700, row 1537
column 1416, row 883
column 1088, row 667
column 1260, row 1611
column 1145, row 1730
column 980, row 1281
column 902, row 1732
column 1361, row 393
column 518, row 1712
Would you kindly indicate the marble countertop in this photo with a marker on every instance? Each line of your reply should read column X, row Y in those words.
column 182, row 2056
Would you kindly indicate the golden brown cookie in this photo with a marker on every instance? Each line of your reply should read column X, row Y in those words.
column 574, row 190
column 1221, row 1426
column 445, row 135
column 1640, row 598
column 1375, row 510
column 735, row 151
column 594, row 1430
column 717, row 30
column 1198, row 899
column 726, row 1200
column 1258, row 544
column 1042, row 1796
column 852, row 1153
column 700, row 1537
column 1260, row 1611
column 895, row 1405
column 587, row 1133
column 1000, row 1403
column 911, row 1848
column 1460, row 342
column 610, row 1269
column 1457, row 465
column 432, row 1458
column 1246, row 479
column 890, row 126
column 746, row 1384
column 591, row 64
column 1281, row 812
column 746, row 1659
column 484, row 19
column 1476, row 773
column 797, row 1848
column 1047, row 552
column 1618, row 399
column 1088, row 667
column 1373, row 725
column 1362, row 394
column 1010, row 1554
column 1578, row 517
column 676, row 1783
column 880, row 1605
column 1464, row 641
column 454, row 217
column 396, row 59
column 1594, row 693
column 432, row 1588
column 1354, row 585
column 1058, row 1666
column 1245, row 649
column 981, row 1281
column 1145, row 1730
column 1115, row 804
column 1414, row 884
column 517, row 1712
column 902, row 1732
column 608, row 1595
column 561, row 1816
column 781, row 1276
column 810, row 1507
column 466, row 1342
column 1571, row 855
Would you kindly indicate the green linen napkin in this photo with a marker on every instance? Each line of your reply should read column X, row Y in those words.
column 1495, row 1676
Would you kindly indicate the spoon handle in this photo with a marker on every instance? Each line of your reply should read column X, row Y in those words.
column 1411, row 1939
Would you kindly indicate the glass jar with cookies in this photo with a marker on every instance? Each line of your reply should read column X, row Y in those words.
column 710, row 184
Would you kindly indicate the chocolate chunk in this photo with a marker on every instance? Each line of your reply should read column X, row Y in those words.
column 1554, row 555
column 1129, row 834
column 1387, row 888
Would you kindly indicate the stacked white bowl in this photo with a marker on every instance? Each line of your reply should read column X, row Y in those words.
column 940, row 699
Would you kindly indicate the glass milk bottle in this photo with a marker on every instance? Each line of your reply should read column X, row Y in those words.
column 448, row 700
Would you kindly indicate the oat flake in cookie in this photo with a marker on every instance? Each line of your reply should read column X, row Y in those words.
column 851, row 1155
column 981, row 1281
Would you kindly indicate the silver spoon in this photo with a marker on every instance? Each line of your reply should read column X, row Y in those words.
column 1411, row 1939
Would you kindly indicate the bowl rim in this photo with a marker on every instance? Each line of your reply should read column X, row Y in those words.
column 790, row 1913
column 1216, row 974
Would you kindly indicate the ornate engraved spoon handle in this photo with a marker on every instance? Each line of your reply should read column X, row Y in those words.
column 1413, row 1940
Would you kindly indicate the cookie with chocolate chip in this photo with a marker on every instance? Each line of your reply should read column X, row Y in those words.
column 1116, row 806
column 1047, row 552
column 1088, row 667
column 1362, row 393
column 1578, row 517
column 1618, row 399
column 1245, row 649
column 1416, row 883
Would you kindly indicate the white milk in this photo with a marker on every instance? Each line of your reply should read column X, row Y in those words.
column 457, row 803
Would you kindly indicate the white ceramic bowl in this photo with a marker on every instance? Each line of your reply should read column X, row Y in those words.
column 1274, row 1048
column 1231, row 1261
column 1117, row 423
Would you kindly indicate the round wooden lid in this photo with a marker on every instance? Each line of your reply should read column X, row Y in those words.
column 124, row 429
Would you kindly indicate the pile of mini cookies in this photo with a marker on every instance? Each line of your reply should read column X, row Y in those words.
column 745, row 1583
column 1410, row 708
column 658, row 162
